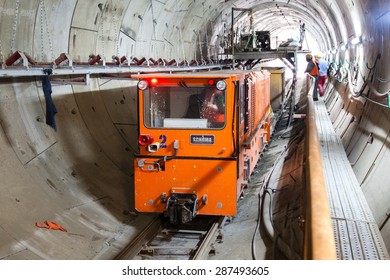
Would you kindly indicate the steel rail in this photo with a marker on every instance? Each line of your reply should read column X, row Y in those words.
column 132, row 249
column 156, row 227
column 319, row 243
column 203, row 250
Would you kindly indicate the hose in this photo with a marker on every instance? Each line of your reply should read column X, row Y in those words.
column 260, row 208
column 268, row 221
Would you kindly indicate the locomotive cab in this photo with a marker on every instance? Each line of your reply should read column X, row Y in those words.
column 189, row 140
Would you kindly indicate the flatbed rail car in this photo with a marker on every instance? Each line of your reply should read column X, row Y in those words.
column 200, row 137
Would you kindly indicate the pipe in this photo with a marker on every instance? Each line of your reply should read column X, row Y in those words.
column 319, row 241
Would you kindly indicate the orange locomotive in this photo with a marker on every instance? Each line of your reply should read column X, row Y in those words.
column 200, row 137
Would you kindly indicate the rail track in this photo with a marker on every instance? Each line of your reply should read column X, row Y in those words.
column 163, row 241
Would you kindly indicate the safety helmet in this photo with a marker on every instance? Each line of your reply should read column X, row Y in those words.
column 318, row 55
column 309, row 56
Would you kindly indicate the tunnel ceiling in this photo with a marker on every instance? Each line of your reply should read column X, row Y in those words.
column 323, row 20
column 164, row 28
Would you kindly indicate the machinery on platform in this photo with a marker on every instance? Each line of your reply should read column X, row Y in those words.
column 200, row 137
column 263, row 40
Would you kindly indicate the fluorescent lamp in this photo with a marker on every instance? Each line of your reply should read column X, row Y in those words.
column 356, row 40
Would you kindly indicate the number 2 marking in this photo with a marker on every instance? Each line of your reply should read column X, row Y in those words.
column 163, row 139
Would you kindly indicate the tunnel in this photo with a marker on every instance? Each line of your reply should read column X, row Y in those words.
column 74, row 165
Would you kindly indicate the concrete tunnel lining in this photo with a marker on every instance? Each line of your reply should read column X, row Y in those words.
column 81, row 175
column 70, row 177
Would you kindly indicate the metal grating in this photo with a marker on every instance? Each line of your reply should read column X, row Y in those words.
column 357, row 235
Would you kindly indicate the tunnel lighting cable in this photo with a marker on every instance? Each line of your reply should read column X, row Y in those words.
column 370, row 76
column 367, row 83
column 269, row 225
column 375, row 92
column 375, row 102
column 383, row 80
column 260, row 205
column 261, row 195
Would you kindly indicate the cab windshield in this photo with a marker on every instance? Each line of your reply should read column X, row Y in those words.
column 184, row 107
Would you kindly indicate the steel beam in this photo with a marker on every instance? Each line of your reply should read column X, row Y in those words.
column 12, row 72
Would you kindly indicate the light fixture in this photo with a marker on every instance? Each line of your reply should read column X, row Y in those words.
column 142, row 85
column 154, row 81
column 221, row 85
column 356, row 40
column 145, row 139
column 211, row 82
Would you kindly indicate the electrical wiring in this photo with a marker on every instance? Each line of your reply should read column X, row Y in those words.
column 260, row 204
column 367, row 83
column 264, row 191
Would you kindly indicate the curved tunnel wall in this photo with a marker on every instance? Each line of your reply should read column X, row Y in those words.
column 363, row 121
column 81, row 175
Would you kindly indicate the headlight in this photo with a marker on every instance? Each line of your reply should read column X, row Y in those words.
column 142, row 85
column 221, row 85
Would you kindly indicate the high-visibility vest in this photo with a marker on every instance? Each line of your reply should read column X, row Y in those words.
column 314, row 71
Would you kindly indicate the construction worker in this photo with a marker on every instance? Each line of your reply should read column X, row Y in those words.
column 323, row 69
column 312, row 70
column 214, row 108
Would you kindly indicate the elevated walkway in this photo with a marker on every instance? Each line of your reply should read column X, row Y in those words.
column 357, row 235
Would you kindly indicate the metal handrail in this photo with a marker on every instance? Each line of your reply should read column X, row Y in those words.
column 319, row 243
column 98, row 69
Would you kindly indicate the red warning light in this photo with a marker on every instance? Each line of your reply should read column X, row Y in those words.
column 211, row 82
column 153, row 81
column 145, row 139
